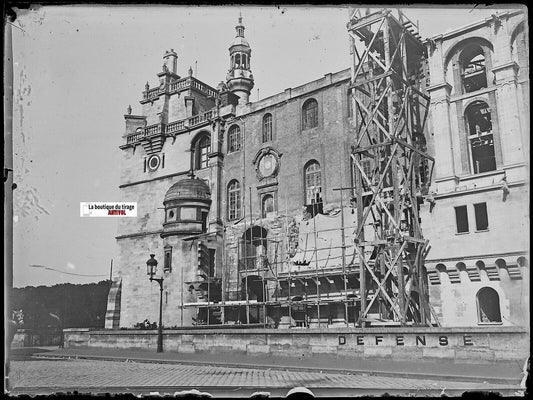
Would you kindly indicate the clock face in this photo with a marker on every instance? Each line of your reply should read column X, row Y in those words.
column 268, row 165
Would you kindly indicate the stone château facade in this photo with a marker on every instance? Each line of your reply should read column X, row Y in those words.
column 249, row 207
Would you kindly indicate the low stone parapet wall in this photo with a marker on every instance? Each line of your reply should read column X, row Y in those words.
column 483, row 344
column 34, row 338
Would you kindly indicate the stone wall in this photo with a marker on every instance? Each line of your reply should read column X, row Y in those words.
column 328, row 143
column 461, row 344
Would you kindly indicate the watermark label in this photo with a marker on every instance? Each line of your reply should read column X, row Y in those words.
column 108, row 209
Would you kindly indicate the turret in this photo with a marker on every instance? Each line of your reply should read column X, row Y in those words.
column 171, row 61
column 186, row 205
column 240, row 80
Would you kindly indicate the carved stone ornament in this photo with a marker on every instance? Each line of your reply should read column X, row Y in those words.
column 266, row 163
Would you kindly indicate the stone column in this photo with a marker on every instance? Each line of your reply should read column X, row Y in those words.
column 441, row 131
column 508, row 112
column 216, row 162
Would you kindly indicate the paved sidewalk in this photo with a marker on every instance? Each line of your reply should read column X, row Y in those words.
column 501, row 372
column 47, row 376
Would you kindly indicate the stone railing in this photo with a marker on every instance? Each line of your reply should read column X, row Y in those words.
column 141, row 133
column 180, row 85
column 202, row 87
column 153, row 129
column 170, row 128
column 190, row 82
column 135, row 137
column 151, row 94
column 198, row 119
column 176, row 126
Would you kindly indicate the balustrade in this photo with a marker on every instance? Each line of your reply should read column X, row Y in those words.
column 172, row 127
column 175, row 126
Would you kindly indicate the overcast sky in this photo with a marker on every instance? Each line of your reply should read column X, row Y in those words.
column 77, row 68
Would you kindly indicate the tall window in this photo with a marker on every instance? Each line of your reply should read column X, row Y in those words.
column 488, row 303
column 482, row 220
column 267, row 205
column 310, row 114
column 234, row 139
column 479, row 129
column 473, row 71
column 234, row 200
column 168, row 259
column 201, row 152
column 253, row 251
column 267, row 128
column 461, row 219
column 313, row 183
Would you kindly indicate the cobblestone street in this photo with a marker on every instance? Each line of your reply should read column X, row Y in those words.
column 97, row 376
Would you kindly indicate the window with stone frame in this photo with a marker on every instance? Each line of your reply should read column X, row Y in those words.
column 310, row 114
column 473, row 68
column 482, row 219
column 267, row 205
column 481, row 140
column 234, row 139
column 461, row 219
column 313, row 183
column 167, row 267
column 234, row 200
column 267, row 128
column 488, row 303
column 201, row 150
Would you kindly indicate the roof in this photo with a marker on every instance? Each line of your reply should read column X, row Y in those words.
column 240, row 40
column 187, row 189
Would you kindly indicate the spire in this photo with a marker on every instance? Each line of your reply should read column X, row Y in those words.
column 240, row 80
column 240, row 27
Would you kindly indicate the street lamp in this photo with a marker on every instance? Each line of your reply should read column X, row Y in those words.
column 151, row 269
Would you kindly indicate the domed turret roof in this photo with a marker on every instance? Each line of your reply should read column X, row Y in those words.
column 240, row 40
column 187, row 189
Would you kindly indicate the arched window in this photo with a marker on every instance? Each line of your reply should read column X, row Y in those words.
column 237, row 60
column 473, row 68
column 479, row 130
column 488, row 303
column 313, row 183
column 267, row 128
column 310, row 114
column 253, row 252
column 200, row 151
column 234, row 200
column 267, row 205
column 234, row 139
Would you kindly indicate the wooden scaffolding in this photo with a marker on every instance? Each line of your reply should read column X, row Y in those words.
column 392, row 168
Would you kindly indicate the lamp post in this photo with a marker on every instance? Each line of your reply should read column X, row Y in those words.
column 151, row 269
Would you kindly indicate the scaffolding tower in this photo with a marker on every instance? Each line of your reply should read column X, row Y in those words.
column 392, row 168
